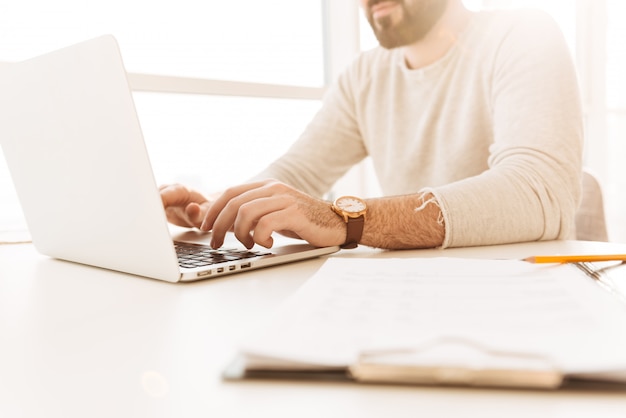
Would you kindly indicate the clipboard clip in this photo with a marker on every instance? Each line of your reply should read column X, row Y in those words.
column 456, row 362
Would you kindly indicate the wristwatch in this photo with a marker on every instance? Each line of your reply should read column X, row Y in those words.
column 352, row 210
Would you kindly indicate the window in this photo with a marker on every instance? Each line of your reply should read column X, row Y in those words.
column 288, row 51
column 614, row 110
column 227, row 50
column 211, row 142
column 278, row 41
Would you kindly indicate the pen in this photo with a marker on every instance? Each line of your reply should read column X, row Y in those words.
column 575, row 258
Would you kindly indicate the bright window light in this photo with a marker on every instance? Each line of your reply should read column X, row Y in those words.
column 207, row 141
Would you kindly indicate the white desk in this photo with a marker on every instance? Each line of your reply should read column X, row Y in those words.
column 83, row 342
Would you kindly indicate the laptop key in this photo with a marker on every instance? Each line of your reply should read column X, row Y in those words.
column 196, row 255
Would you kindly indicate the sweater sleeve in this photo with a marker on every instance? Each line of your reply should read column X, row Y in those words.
column 532, row 187
column 329, row 146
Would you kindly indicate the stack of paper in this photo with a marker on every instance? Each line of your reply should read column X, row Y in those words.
column 448, row 321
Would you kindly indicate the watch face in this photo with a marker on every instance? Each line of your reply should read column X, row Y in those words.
column 350, row 204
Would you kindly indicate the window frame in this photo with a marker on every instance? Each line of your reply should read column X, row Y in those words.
column 340, row 44
column 591, row 56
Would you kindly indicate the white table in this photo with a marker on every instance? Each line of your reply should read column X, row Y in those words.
column 77, row 341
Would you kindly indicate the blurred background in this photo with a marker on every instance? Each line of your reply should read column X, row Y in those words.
column 214, row 80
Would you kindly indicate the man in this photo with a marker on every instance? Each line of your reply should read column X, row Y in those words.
column 473, row 123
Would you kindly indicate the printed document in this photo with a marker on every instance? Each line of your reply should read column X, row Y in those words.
column 552, row 312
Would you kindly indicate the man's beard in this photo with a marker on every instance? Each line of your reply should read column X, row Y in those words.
column 417, row 19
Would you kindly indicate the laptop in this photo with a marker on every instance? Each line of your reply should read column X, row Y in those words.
column 76, row 154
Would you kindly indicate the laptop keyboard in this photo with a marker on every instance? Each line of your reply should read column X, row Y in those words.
column 197, row 255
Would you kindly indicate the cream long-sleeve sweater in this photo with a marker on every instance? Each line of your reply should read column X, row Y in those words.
column 493, row 129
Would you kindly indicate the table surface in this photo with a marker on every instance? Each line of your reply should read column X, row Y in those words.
column 77, row 341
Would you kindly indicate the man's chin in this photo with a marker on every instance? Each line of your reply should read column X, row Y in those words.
column 387, row 41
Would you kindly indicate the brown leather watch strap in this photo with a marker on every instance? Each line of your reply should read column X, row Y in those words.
column 354, row 232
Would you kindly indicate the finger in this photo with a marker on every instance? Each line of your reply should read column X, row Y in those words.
column 179, row 195
column 226, row 198
column 270, row 223
column 250, row 213
column 222, row 224
column 173, row 195
column 304, row 220
column 225, row 220
column 171, row 198
column 176, row 217
column 194, row 214
column 183, row 206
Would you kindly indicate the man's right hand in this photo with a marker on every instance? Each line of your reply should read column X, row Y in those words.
column 184, row 206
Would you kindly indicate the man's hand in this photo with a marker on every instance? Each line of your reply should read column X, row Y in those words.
column 255, row 210
column 184, row 206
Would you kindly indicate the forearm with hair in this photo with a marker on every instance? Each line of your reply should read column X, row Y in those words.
column 403, row 222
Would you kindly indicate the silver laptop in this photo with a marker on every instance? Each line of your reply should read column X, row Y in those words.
column 75, row 150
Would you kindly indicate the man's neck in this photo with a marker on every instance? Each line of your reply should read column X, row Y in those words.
column 440, row 38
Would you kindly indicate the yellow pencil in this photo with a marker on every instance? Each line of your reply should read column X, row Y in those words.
column 575, row 258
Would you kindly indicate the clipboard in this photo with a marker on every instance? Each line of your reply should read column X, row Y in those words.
column 447, row 362
column 450, row 359
column 453, row 361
